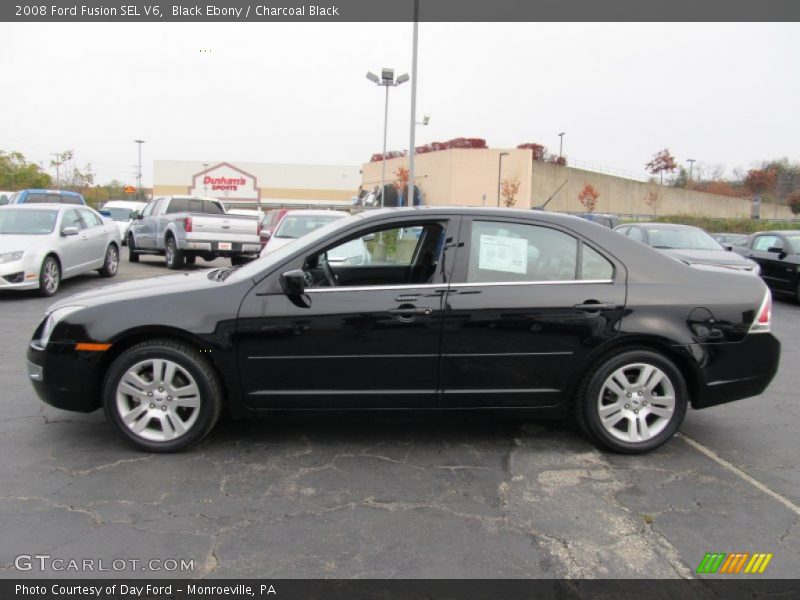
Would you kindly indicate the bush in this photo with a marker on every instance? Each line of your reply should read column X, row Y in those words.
column 728, row 225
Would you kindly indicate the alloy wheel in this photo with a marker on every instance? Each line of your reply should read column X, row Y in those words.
column 112, row 260
column 158, row 400
column 52, row 276
column 636, row 402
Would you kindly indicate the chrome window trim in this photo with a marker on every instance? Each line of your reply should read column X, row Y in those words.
column 452, row 285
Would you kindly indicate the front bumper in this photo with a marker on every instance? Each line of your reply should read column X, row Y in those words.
column 19, row 275
column 64, row 378
column 738, row 370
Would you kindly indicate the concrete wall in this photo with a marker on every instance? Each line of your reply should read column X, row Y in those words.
column 463, row 177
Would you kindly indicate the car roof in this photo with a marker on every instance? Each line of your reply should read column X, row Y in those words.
column 311, row 212
column 40, row 191
column 40, row 205
column 664, row 225
column 124, row 203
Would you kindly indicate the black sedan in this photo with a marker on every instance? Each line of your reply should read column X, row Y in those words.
column 778, row 255
column 457, row 309
column 688, row 244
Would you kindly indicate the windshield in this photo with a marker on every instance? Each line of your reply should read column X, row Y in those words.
column 688, row 238
column 295, row 226
column 119, row 214
column 794, row 240
column 27, row 222
column 264, row 264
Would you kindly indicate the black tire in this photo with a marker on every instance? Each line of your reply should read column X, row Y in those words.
column 190, row 259
column 588, row 402
column 110, row 262
column 189, row 361
column 133, row 256
column 49, row 276
column 173, row 254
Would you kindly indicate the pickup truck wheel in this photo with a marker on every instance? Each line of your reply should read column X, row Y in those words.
column 162, row 396
column 132, row 254
column 111, row 262
column 173, row 254
column 632, row 402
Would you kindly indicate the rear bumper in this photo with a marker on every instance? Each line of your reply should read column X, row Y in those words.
column 235, row 249
column 737, row 371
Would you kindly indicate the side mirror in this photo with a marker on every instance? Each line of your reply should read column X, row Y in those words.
column 775, row 250
column 294, row 282
column 105, row 213
column 134, row 214
column 67, row 231
column 369, row 237
column 728, row 247
column 265, row 235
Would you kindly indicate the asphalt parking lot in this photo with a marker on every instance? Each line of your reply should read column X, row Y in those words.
column 409, row 497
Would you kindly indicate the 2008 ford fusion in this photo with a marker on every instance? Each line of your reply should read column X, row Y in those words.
column 456, row 309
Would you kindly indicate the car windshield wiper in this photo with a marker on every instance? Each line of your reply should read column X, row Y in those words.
column 222, row 274
column 665, row 247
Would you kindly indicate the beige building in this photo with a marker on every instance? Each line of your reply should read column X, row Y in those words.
column 469, row 177
column 246, row 185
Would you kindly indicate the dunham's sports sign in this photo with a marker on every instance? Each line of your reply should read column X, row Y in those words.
column 225, row 182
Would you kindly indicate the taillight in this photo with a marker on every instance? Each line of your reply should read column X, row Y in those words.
column 763, row 321
column 187, row 224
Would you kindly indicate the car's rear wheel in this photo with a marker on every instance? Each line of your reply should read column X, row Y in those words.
column 111, row 262
column 133, row 256
column 632, row 402
column 162, row 396
column 49, row 276
column 173, row 254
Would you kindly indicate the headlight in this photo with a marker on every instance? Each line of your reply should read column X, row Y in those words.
column 52, row 319
column 10, row 257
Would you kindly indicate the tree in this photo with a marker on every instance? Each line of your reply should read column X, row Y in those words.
column 509, row 188
column 539, row 151
column 588, row 197
column 401, row 179
column 758, row 181
column 652, row 198
column 662, row 161
column 16, row 173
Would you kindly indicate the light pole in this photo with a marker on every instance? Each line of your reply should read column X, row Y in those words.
column 691, row 162
column 205, row 185
column 561, row 144
column 499, row 174
column 386, row 80
column 412, row 143
column 139, row 172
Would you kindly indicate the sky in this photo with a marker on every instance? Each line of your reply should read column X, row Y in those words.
column 723, row 94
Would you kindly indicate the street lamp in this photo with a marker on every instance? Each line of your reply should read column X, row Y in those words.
column 561, row 144
column 139, row 172
column 499, row 173
column 386, row 80
column 691, row 162
column 205, row 185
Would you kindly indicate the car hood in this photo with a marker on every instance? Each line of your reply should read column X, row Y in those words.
column 708, row 257
column 16, row 243
column 275, row 243
column 141, row 288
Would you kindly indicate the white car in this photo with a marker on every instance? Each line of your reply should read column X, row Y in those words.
column 120, row 212
column 42, row 244
column 297, row 223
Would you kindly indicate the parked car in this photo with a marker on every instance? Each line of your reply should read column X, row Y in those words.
column 596, row 325
column 120, row 211
column 606, row 220
column 297, row 223
column 728, row 239
column 688, row 244
column 778, row 255
column 5, row 197
column 46, row 197
column 43, row 244
column 181, row 228
column 269, row 222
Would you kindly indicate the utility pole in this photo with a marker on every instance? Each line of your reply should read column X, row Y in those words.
column 499, row 174
column 57, row 163
column 205, row 185
column 561, row 144
column 139, row 173
column 412, row 142
column 691, row 162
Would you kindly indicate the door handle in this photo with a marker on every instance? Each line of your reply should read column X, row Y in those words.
column 595, row 307
column 410, row 312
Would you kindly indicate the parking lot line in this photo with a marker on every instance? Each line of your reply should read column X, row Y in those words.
column 738, row 472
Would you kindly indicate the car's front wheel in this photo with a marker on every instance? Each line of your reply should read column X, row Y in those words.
column 162, row 396
column 133, row 256
column 632, row 402
column 49, row 276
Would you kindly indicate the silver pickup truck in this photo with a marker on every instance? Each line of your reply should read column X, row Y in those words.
column 181, row 228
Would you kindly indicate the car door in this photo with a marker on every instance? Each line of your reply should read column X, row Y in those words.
column 769, row 262
column 144, row 229
column 96, row 233
column 72, row 249
column 371, row 341
column 526, row 304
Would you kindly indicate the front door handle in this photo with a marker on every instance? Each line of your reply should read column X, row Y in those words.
column 595, row 307
column 410, row 311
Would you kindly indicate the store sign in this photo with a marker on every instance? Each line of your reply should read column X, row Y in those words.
column 225, row 182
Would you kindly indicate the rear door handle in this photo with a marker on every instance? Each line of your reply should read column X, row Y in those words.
column 595, row 307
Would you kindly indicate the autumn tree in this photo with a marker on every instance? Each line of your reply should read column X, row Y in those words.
column 401, row 179
column 793, row 200
column 758, row 181
column 662, row 162
column 16, row 173
column 588, row 197
column 652, row 198
column 509, row 188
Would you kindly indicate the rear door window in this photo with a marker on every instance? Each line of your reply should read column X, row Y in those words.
column 764, row 242
column 636, row 234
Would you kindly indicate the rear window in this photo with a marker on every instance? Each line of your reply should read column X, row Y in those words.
column 36, row 198
column 70, row 199
column 177, row 205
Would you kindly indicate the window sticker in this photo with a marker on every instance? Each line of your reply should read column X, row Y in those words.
column 503, row 254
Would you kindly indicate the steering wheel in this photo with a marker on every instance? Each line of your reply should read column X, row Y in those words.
column 330, row 276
